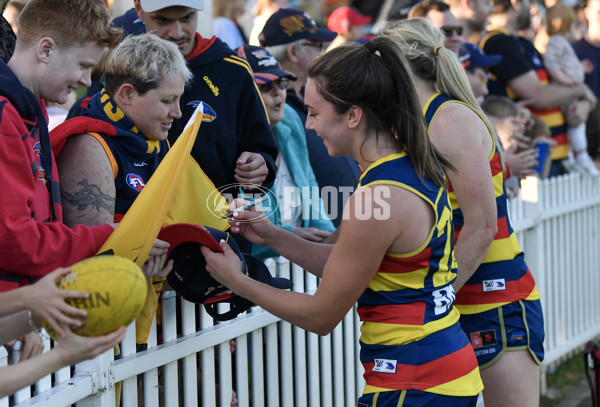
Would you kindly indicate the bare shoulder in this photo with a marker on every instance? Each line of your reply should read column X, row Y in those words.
column 457, row 126
column 83, row 152
column 82, row 143
column 452, row 115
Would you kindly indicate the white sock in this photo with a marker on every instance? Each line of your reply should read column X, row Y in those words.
column 577, row 138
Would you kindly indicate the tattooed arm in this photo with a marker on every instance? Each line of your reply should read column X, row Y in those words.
column 87, row 185
column 88, row 193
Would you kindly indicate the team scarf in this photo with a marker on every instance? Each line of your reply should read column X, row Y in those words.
column 102, row 107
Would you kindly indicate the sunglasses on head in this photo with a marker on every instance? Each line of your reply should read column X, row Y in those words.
column 282, row 84
column 449, row 29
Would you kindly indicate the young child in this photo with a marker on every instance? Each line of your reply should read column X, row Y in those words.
column 476, row 64
column 520, row 132
column 565, row 68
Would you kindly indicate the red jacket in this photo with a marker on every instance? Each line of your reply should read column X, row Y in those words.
column 31, row 243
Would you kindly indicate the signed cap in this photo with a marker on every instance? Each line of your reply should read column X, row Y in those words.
column 190, row 279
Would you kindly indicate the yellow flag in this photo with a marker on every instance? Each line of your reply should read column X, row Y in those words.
column 178, row 191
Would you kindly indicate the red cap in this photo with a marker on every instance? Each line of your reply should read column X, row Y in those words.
column 346, row 13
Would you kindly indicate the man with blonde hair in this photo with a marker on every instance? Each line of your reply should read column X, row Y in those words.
column 59, row 43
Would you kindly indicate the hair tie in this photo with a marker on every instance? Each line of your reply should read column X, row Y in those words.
column 369, row 45
column 436, row 50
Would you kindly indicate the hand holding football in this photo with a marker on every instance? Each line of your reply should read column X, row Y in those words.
column 117, row 292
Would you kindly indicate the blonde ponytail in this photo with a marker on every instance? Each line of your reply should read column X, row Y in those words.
column 420, row 42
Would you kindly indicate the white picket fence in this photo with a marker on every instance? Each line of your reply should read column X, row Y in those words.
column 558, row 226
column 276, row 364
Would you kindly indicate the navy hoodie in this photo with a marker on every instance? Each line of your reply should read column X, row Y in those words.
column 235, row 118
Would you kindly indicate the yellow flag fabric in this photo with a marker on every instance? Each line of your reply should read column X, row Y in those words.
column 178, row 191
column 197, row 200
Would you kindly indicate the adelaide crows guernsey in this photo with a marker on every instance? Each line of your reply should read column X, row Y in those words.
column 410, row 336
column 503, row 277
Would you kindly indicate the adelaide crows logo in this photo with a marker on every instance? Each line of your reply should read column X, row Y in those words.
column 209, row 113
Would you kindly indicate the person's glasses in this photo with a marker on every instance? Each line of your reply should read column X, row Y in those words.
column 319, row 45
column 282, row 84
column 449, row 29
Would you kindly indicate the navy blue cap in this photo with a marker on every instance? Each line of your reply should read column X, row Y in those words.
column 288, row 25
column 264, row 65
column 190, row 279
column 471, row 56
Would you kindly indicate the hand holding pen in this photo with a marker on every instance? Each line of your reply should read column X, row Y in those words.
column 245, row 207
column 254, row 225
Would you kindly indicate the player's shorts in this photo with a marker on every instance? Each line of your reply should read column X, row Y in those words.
column 413, row 398
column 515, row 326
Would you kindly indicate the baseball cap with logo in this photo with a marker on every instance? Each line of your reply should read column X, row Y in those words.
column 154, row 5
column 471, row 56
column 190, row 279
column 346, row 16
column 288, row 25
column 264, row 65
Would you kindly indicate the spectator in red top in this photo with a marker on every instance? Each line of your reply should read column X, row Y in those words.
column 59, row 43
column 349, row 23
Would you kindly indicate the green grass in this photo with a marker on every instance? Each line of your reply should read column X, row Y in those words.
column 568, row 378
column 80, row 91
